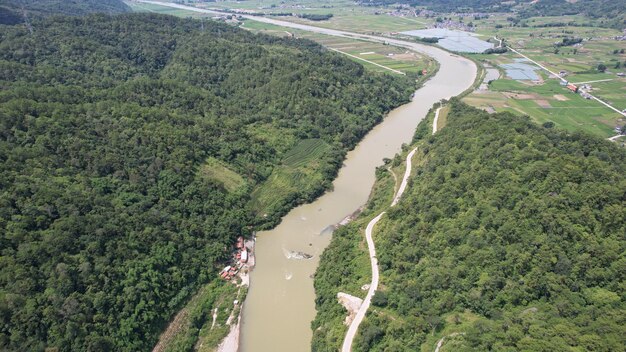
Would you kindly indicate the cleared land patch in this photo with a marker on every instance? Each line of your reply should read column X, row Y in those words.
column 299, row 173
column 215, row 170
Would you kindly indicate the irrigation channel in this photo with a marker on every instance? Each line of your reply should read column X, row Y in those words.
column 280, row 306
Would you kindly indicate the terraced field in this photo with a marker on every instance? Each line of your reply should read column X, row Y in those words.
column 305, row 152
column 298, row 172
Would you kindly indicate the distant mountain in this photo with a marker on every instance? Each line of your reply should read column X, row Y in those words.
column 13, row 11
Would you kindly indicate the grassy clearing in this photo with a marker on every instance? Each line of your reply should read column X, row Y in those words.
column 215, row 170
column 298, row 174
column 209, row 336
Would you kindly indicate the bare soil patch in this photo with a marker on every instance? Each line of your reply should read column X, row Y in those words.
column 561, row 97
column 543, row 103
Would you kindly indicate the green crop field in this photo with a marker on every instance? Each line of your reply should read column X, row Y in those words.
column 548, row 102
column 298, row 172
column 386, row 55
column 165, row 10
column 304, row 152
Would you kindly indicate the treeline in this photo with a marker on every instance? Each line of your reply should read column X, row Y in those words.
column 500, row 50
column 569, row 42
column 18, row 11
column 108, row 219
column 316, row 17
column 430, row 40
column 510, row 235
column 610, row 13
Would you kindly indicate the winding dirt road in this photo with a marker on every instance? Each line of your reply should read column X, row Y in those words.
column 455, row 75
column 354, row 326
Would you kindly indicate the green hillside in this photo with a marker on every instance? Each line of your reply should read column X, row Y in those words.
column 510, row 237
column 13, row 11
column 129, row 147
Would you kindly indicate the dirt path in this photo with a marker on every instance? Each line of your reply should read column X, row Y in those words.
column 436, row 120
column 440, row 342
column 405, row 178
column 354, row 326
column 369, row 62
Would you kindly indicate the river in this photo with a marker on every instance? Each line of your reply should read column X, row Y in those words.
column 281, row 302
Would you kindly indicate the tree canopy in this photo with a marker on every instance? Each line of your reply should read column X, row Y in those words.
column 509, row 233
column 17, row 11
column 129, row 147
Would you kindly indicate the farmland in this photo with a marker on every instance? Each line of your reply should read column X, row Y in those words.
column 368, row 54
column 544, row 99
column 298, row 173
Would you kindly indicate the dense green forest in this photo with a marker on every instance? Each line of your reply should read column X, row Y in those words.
column 129, row 147
column 510, row 234
column 17, row 11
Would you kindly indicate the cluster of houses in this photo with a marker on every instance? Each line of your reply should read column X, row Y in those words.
column 583, row 89
column 449, row 24
column 240, row 260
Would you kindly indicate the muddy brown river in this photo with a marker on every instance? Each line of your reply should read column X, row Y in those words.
column 280, row 305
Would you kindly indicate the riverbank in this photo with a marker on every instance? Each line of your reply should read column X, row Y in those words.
column 283, row 289
column 290, row 301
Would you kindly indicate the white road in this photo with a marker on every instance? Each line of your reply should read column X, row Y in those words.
column 564, row 80
column 369, row 62
column 436, row 120
column 360, row 315
column 450, row 66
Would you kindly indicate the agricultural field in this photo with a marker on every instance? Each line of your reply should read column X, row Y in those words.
column 374, row 56
column 164, row 10
column 544, row 99
column 548, row 101
column 293, row 175
column 371, row 55
column 346, row 15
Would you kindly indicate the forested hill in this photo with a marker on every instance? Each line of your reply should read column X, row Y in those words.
column 129, row 146
column 13, row 11
column 509, row 237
